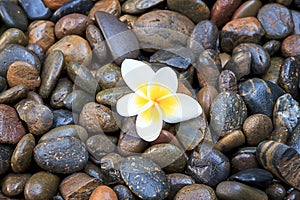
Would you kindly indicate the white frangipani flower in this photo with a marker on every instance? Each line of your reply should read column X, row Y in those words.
column 154, row 99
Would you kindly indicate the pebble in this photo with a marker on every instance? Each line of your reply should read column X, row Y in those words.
column 77, row 99
column 3, row 84
column 253, row 177
column 74, row 48
column 76, row 6
column 62, row 155
column 35, row 9
column 280, row 134
column 78, row 186
column 71, row 24
column 139, row 6
column 54, row 4
column 167, row 137
column 284, row 2
column 13, row 36
column 6, row 152
column 294, row 139
column 12, row 129
column 14, row 184
column 196, row 191
column 100, row 145
column 15, row 52
column 296, row 20
column 41, row 185
column 259, row 56
column 242, row 161
column 290, row 46
column 129, row 20
column 228, row 112
column 63, row 87
column 247, row 9
column 286, row 112
column 227, row 81
column 240, row 64
column 62, row 117
column 110, row 168
column 109, row 76
column 259, row 97
column 177, row 181
column 103, row 193
column 121, row 41
column 275, row 191
column 294, row 195
column 41, row 32
column 276, row 20
column 231, row 190
column 169, row 157
column 281, row 160
column 123, row 193
column 230, row 141
column 196, row 10
column 153, row 27
column 94, row 171
column 97, row 118
column 14, row 94
column 21, row 158
column 110, row 96
column 205, row 97
column 204, row 36
column 257, row 128
column 272, row 47
column 222, row 11
column 208, row 166
column 35, row 48
column 144, row 178
column 64, row 131
column 13, row 15
column 112, row 7
column 23, row 73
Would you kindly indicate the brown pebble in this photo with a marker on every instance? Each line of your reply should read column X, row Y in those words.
column 166, row 137
column 227, row 81
column 13, row 94
column 13, row 184
column 247, row 9
column 275, row 191
column 196, row 191
column 54, row 4
column 280, row 134
column 243, row 161
column 103, row 193
column 205, row 97
column 230, row 141
column 109, row 6
column 290, row 46
column 129, row 20
column 23, row 73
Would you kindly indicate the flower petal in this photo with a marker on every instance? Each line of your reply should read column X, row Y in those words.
column 149, row 124
column 167, row 78
column 132, row 104
column 179, row 107
column 136, row 73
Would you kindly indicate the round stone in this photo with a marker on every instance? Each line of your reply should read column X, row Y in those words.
column 103, row 192
column 177, row 181
column 230, row 141
column 290, row 46
column 196, row 191
column 109, row 76
column 13, row 36
column 54, row 4
column 123, row 192
column 13, row 184
column 275, row 191
column 100, row 145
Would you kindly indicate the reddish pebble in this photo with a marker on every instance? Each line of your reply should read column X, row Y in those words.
column 103, row 193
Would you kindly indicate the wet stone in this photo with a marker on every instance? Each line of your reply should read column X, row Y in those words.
column 46, row 183
column 294, row 139
column 257, row 128
column 167, row 137
column 208, row 166
column 272, row 47
column 110, row 168
column 12, row 129
column 78, row 186
column 13, row 15
column 34, row 97
column 242, row 161
column 167, row 156
column 109, row 76
column 15, row 52
column 144, row 178
column 121, row 41
column 196, row 10
column 103, row 192
column 123, row 193
column 230, row 141
column 222, row 11
column 109, row 6
column 61, row 155
column 54, row 4
column 62, row 117
column 294, row 195
column 37, row 50
column 239, row 64
column 35, row 9
column 6, row 152
column 227, row 81
column 52, row 68
column 286, row 112
column 139, row 6
column 77, row 99
column 281, row 160
column 94, row 171
column 153, row 27
column 21, row 158
column 100, row 145
column 23, row 73
column 228, row 112
column 253, row 177
column 14, row 94
column 63, row 87
column 280, row 134
column 13, row 36
column 296, row 20
column 231, row 190
column 239, row 31
column 41, row 32
column 247, row 9
column 198, row 191
column 98, row 118
column 259, row 97
column 13, row 184
column 276, row 20
column 76, row 6
column 204, row 36
column 205, row 97
column 64, row 131
column 290, row 46
column 275, row 191
column 177, row 181
column 72, row 24
column 260, row 57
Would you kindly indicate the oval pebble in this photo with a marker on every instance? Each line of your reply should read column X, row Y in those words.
column 196, row 191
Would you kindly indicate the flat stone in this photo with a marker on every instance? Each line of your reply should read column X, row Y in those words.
column 35, row 9
column 14, row 94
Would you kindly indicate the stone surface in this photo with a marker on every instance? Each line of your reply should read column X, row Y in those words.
column 54, row 4
column 275, row 191
column 62, row 117
column 205, row 97
column 13, row 184
column 227, row 81
column 240, row 64
column 247, row 9
column 6, row 152
column 177, row 181
column 123, row 192
column 109, row 76
column 196, row 191
column 272, row 73
column 139, row 6
column 13, row 36
column 112, row 7
column 100, row 145
column 77, row 99
column 102, row 193
column 272, row 47
column 294, row 139
column 290, row 46
column 63, row 87
column 110, row 96
column 230, row 141
column 35, row 9
column 13, row 94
